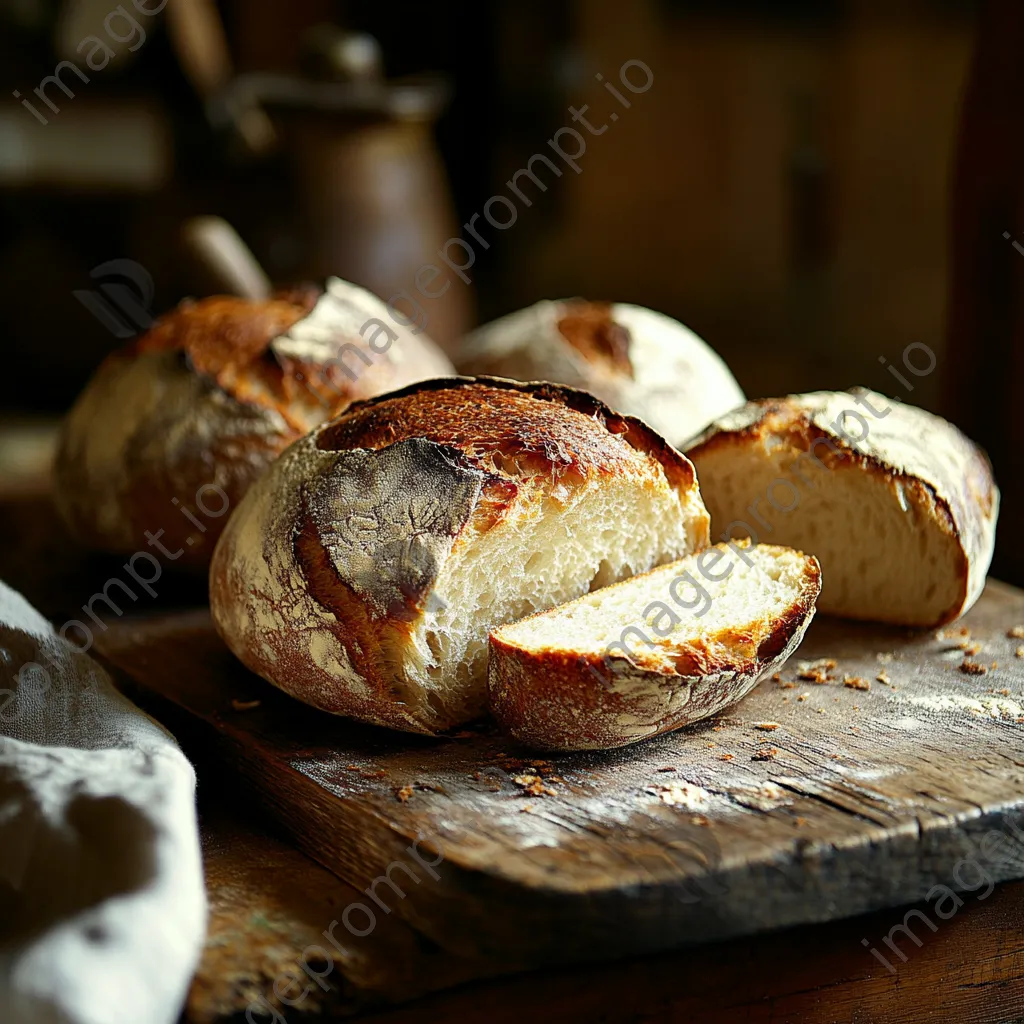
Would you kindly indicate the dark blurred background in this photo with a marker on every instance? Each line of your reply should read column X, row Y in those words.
column 812, row 185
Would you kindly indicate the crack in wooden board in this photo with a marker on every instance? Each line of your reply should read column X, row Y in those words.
column 866, row 799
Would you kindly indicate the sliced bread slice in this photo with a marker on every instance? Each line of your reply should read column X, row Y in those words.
column 654, row 652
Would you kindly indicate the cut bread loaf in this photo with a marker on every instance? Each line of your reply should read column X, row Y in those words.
column 363, row 571
column 187, row 416
column 638, row 361
column 898, row 505
column 653, row 653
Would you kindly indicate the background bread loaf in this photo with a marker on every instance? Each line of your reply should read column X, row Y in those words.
column 638, row 361
column 186, row 417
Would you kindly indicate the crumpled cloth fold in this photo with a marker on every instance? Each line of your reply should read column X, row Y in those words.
column 102, row 903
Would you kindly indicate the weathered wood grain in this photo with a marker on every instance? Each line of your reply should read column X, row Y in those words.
column 857, row 800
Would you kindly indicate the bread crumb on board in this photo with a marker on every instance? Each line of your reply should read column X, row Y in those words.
column 816, row 671
column 1017, row 633
column 768, row 754
column 883, row 678
column 667, row 768
column 766, row 726
column 534, row 785
column 726, row 757
column 403, row 794
column 245, row 705
column 1020, row 652
column 856, row 683
column 972, row 668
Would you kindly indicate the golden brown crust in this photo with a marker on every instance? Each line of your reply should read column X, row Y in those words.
column 496, row 422
column 561, row 699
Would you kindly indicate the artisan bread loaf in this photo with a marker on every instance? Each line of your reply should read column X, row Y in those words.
column 638, row 361
column 363, row 571
column 171, row 430
column 897, row 504
column 653, row 653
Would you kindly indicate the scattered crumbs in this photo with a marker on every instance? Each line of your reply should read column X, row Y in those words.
column 245, row 705
column 883, row 678
column 787, row 686
column 816, row 671
column 856, row 707
column 854, row 728
column 785, row 700
column 726, row 757
column 1017, row 633
column 767, row 754
column 803, row 696
column 994, row 665
column 534, row 785
column 378, row 774
column 837, row 757
column 962, row 631
column 716, row 728
column 776, row 677
column 555, row 778
column 1004, row 693
column 699, row 819
column 766, row 726
column 667, row 768
column 856, row 683
column 800, row 822
column 972, row 668
column 403, row 794
column 352, row 768
column 1020, row 652
column 970, row 649
column 884, row 657
column 526, row 808
column 709, row 746
column 820, row 711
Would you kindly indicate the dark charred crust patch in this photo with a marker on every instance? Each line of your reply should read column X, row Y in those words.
column 387, row 520
column 591, row 329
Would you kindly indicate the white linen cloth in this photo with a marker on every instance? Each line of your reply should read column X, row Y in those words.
column 102, row 904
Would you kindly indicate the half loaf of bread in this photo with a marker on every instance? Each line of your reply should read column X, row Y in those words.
column 653, row 653
column 899, row 506
column 363, row 572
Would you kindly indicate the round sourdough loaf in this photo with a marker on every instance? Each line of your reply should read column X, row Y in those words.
column 638, row 361
column 363, row 571
column 171, row 430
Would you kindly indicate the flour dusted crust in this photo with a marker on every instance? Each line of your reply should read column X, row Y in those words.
column 635, row 359
column 208, row 397
column 921, row 464
column 335, row 559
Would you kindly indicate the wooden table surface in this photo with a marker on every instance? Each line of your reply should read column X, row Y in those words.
column 269, row 902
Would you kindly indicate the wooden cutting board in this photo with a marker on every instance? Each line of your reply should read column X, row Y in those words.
column 806, row 802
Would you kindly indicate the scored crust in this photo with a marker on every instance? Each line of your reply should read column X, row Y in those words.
column 206, row 399
column 924, row 465
column 568, row 697
column 333, row 559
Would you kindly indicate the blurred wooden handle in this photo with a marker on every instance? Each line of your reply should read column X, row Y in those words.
column 224, row 262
